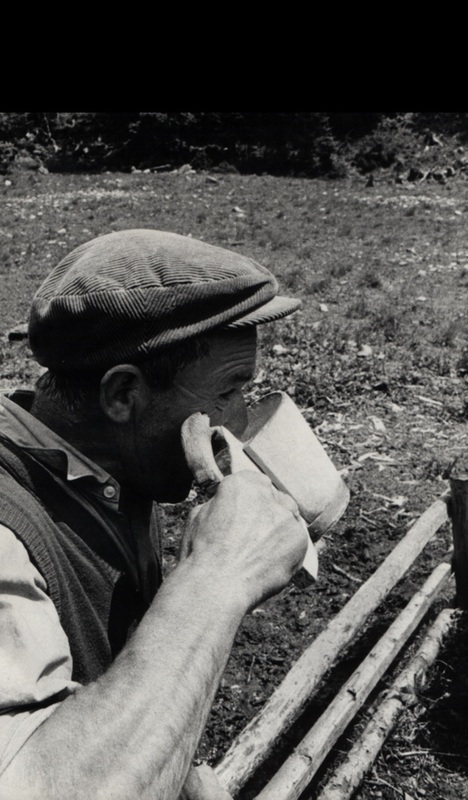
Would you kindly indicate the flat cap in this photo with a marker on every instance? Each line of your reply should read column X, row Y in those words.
column 126, row 295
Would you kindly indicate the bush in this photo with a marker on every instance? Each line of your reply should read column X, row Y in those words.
column 23, row 134
column 393, row 142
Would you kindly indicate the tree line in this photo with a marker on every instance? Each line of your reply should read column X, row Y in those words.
column 310, row 144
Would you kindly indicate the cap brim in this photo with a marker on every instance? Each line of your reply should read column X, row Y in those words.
column 275, row 309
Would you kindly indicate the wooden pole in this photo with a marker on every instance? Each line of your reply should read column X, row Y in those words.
column 402, row 694
column 459, row 514
column 298, row 770
column 257, row 739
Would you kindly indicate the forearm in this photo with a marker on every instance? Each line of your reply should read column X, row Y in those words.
column 133, row 732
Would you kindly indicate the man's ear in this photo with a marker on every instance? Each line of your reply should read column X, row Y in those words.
column 123, row 392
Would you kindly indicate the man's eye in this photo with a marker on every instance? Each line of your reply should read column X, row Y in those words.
column 226, row 395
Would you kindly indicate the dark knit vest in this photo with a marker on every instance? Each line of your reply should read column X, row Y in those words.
column 97, row 603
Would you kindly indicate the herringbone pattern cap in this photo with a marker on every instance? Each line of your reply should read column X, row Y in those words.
column 126, row 295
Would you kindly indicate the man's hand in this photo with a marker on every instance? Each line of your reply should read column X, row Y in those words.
column 249, row 536
column 202, row 784
column 246, row 543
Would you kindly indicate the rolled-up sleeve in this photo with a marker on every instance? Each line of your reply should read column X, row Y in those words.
column 35, row 658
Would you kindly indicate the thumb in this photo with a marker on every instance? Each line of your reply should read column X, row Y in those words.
column 186, row 542
column 202, row 784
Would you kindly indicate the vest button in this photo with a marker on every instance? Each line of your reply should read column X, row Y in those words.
column 109, row 491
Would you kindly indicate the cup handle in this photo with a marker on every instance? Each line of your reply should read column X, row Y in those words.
column 197, row 438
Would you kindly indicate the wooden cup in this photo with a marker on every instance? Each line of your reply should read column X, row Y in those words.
column 283, row 445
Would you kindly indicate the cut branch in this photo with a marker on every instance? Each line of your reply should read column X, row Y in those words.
column 299, row 769
column 257, row 739
column 403, row 693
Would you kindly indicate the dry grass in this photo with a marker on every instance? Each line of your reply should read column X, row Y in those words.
column 382, row 334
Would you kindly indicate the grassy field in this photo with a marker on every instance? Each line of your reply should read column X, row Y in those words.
column 377, row 359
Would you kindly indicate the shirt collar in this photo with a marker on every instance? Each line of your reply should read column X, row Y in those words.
column 48, row 447
column 129, row 528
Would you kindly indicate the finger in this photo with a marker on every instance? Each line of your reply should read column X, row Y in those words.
column 186, row 542
column 194, row 511
column 287, row 502
column 202, row 784
column 185, row 547
column 281, row 497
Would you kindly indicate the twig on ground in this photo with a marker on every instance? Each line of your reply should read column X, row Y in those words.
column 341, row 571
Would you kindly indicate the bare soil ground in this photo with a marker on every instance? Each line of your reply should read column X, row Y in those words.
column 377, row 359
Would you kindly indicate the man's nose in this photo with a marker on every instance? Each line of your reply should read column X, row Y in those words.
column 235, row 414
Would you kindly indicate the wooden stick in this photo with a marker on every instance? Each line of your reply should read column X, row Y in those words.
column 459, row 513
column 255, row 742
column 299, row 769
column 403, row 693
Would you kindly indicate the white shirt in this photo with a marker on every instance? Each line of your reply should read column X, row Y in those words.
column 35, row 659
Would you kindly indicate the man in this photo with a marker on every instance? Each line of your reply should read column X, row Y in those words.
column 107, row 676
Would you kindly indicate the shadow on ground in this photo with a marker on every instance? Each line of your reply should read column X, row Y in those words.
column 445, row 730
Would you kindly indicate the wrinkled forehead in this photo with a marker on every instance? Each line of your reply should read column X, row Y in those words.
column 232, row 355
column 232, row 344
